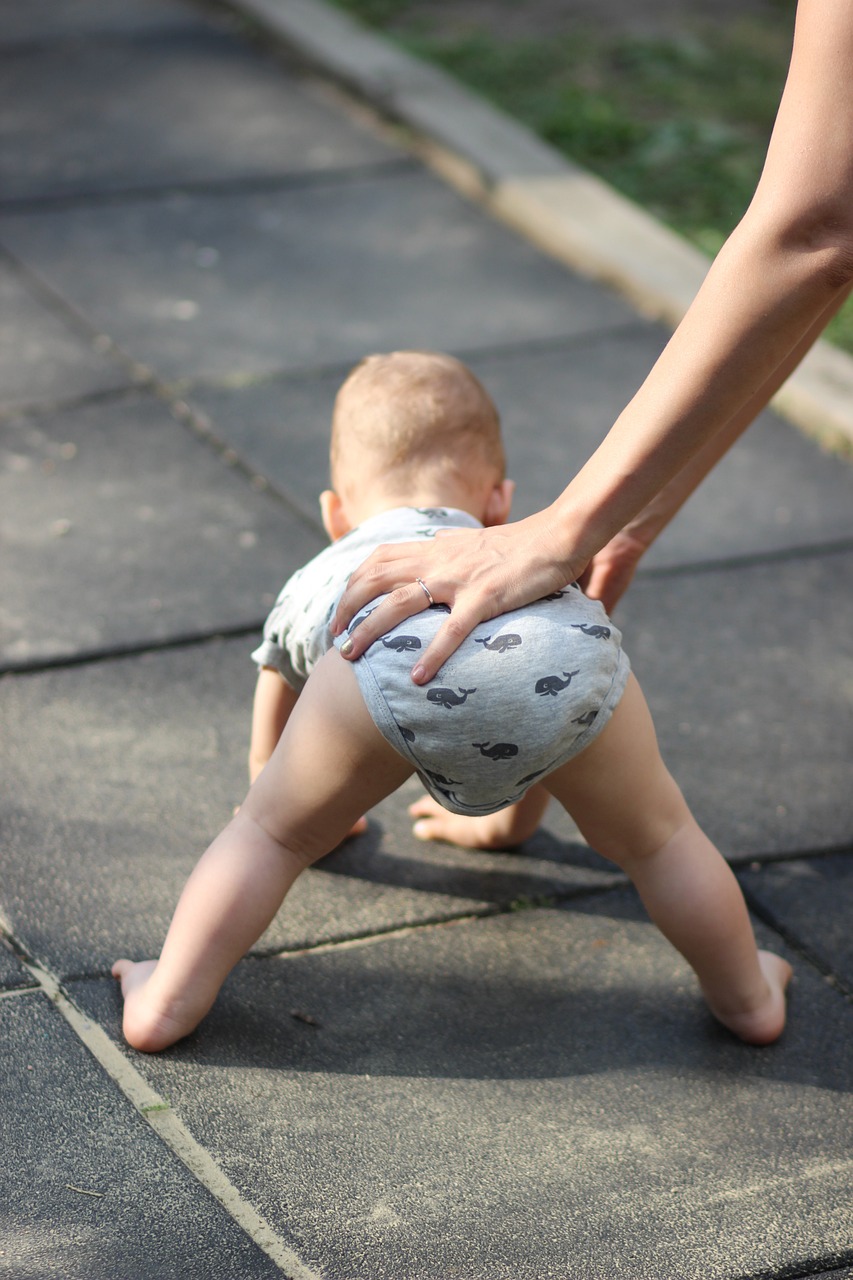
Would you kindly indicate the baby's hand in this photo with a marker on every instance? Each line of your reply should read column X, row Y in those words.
column 436, row 823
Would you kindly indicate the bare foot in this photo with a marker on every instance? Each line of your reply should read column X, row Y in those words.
column 145, row 1025
column 765, row 1023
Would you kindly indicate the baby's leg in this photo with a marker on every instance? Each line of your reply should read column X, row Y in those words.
column 629, row 808
column 330, row 764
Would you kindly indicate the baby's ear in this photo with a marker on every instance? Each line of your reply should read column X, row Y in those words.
column 334, row 519
column 499, row 503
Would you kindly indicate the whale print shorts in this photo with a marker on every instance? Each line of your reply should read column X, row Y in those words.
column 523, row 694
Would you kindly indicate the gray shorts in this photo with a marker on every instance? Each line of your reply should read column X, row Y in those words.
column 523, row 694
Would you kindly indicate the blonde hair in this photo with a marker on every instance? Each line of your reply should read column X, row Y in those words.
column 405, row 412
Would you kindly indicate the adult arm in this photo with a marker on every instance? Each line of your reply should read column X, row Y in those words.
column 611, row 569
column 782, row 272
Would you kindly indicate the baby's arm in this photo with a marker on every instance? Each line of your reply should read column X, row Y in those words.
column 274, row 701
column 502, row 830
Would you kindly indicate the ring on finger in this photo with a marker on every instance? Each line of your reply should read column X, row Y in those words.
column 425, row 589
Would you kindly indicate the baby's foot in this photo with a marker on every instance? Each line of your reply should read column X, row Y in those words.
column 147, row 1025
column 764, row 1023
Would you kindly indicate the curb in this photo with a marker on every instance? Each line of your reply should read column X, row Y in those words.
column 563, row 209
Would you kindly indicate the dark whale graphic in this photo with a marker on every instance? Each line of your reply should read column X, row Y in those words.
column 500, row 645
column 431, row 513
column 440, row 779
column 554, row 595
column 356, row 622
column 408, row 734
column 500, row 750
column 402, row 643
column 448, row 697
column 587, row 719
column 550, row 686
column 531, row 777
column 592, row 629
column 450, row 796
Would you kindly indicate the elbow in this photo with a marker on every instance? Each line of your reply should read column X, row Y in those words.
column 823, row 239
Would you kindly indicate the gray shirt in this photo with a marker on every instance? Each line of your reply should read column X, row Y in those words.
column 296, row 633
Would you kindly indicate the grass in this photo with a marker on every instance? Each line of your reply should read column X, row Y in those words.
column 680, row 125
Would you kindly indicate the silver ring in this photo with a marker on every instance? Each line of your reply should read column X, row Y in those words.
column 425, row 589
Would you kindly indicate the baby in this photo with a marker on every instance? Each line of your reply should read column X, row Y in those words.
column 538, row 702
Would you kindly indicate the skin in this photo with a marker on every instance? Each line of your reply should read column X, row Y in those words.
column 785, row 270
column 618, row 791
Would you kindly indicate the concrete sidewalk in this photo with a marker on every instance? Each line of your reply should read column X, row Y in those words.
column 436, row 1063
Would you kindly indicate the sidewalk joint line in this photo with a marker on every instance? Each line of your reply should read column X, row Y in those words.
column 116, row 653
column 35, row 409
column 171, row 1130
column 237, row 381
column 771, row 921
column 751, row 559
column 535, row 902
column 259, row 184
column 10, row 992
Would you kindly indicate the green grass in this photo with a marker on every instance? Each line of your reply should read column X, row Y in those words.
column 680, row 125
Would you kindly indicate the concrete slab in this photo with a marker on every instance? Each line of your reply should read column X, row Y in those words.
column 119, row 774
column 774, row 491
column 139, row 109
column 45, row 20
column 804, row 901
column 43, row 360
column 534, row 1095
column 134, row 531
column 749, row 674
column 88, row 1192
column 239, row 284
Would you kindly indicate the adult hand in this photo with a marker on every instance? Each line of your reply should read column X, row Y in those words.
column 479, row 573
column 610, row 571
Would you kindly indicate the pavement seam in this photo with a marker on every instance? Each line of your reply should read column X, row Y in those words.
column 116, row 653
column 791, row 939
column 171, row 1130
column 525, row 183
column 304, row 179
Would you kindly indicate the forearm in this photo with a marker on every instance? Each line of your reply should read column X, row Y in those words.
column 720, row 368
column 274, row 701
column 653, row 518
column 779, row 278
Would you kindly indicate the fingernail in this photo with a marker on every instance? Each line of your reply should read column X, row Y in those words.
column 347, row 647
column 418, row 674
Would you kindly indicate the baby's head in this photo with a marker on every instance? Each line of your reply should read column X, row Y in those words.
column 414, row 428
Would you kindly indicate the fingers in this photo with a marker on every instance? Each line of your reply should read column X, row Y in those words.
column 402, row 603
column 607, row 582
column 434, row 823
column 444, row 643
column 388, row 569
